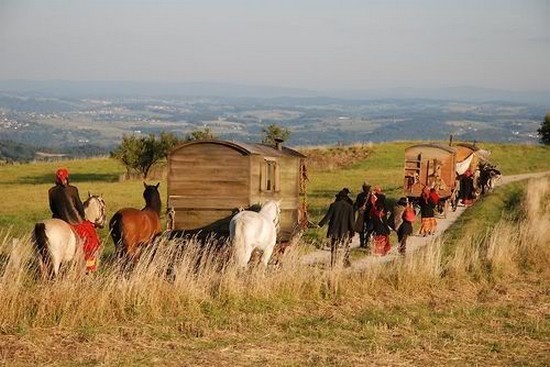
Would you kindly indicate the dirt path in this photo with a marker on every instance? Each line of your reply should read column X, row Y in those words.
column 414, row 242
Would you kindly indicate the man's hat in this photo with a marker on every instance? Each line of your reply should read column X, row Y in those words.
column 62, row 174
column 344, row 192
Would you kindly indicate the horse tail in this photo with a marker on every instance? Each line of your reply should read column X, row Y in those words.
column 40, row 242
column 238, row 243
column 116, row 231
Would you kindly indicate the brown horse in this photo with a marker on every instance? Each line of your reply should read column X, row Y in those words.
column 131, row 229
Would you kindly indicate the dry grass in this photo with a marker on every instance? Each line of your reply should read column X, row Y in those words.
column 336, row 157
column 487, row 303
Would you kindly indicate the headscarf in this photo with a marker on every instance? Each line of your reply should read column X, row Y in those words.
column 62, row 175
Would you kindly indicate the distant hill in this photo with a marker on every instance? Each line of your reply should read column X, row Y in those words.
column 11, row 151
column 60, row 88
column 466, row 94
column 82, row 89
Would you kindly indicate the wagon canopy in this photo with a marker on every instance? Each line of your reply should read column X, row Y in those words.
column 469, row 156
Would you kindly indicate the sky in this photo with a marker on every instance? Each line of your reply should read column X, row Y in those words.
column 313, row 44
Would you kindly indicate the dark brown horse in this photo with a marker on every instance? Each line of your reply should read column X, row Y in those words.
column 131, row 228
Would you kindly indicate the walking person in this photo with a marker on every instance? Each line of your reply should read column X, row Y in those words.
column 380, row 197
column 434, row 196
column 381, row 231
column 340, row 227
column 65, row 204
column 428, row 222
column 467, row 188
column 362, row 207
column 402, row 218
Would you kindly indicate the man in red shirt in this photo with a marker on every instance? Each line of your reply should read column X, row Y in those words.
column 66, row 205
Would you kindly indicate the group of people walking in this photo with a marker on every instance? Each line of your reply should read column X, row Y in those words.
column 370, row 217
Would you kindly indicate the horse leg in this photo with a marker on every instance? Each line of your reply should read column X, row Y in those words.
column 56, row 264
column 243, row 255
column 266, row 256
column 44, row 266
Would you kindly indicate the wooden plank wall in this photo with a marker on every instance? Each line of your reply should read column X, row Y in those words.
column 206, row 182
column 287, row 192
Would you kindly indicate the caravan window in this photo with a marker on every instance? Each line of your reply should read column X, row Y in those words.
column 270, row 176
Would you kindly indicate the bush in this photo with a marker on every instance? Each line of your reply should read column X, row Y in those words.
column 139, row 154
column 544, row 130
column 275, row 132
column 203, row 134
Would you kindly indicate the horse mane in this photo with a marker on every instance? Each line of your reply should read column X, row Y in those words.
column 152, row 198
column 268, row 207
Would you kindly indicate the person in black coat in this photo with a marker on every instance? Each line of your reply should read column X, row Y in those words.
column 340, row 221
column 363, row 206
column 467, row 188
column 64, row 199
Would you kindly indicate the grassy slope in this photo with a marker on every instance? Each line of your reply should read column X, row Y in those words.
column 24, row 187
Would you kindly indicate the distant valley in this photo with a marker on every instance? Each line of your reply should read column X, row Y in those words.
column 88, row 123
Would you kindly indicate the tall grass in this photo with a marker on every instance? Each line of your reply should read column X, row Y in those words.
column 183, row 281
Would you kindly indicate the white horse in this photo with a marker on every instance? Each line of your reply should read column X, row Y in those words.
column 55, row 240
column 249, row 230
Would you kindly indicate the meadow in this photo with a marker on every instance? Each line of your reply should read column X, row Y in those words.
column 479, row 295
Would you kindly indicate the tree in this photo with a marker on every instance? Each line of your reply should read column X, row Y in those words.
column 544, row 130
column 273, row 132
column 140, row 154
column 203, row 134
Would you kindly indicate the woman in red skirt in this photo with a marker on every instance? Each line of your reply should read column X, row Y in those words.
column 381, row 232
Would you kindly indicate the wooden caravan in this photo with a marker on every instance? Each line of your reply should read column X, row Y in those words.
column 209, row 180
column 429, row 165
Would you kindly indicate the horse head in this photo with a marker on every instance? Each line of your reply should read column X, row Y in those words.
column 94, row 210
column 152, row 197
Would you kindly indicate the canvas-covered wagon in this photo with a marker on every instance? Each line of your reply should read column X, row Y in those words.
column 469, row 156
column 209, row 180
column 432, row 166
column 476, row 160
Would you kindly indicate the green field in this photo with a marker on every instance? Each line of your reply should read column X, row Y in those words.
column 479, row 297
column 25, row 186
